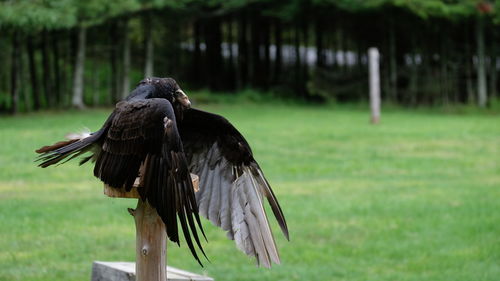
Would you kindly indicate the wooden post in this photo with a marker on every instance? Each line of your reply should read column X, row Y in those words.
column 151, row 237
column 151, row 244
column 373, row 62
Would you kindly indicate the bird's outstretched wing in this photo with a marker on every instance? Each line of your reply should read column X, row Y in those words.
column 145, row 131
column 232, row 185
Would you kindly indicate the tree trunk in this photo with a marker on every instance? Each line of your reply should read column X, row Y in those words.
column 481, row 68
column 148, row 45
column 67, row 69
column 242, row 51
column 428, row 90
column 332, row 48
column 393, row 63
column 95, row 83
column 23, row 77
column 113, row 61
column 494, row 81
column 493, row 78
column 320, row 60
column 413, row 84
column 14, row 72
column 172, row 50
column 230, row 41
column 77, row 100
column 126, row 61
column 57, row 71
column 444, row 83
column 468, row 68
column 47, row 79
column 232, row 73
column 493, row 67
column 339, row 48
column 197, row 61
column 63, row 76
column 213, row 40
column 278, row 41
column 305, row 66
column 33, row 75
column 266, row 40
column 255, row 60
column 298, row 73
column 345, row 53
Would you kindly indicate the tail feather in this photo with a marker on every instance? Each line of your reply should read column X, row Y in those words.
column 59, row 151
column 55, row 146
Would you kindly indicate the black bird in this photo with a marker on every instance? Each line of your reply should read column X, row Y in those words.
column 156, row 127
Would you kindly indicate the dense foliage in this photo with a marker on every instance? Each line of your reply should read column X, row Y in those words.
column 433, row 51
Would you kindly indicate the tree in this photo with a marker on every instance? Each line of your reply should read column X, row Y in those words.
column 426, row 39
column 148, row 45
column 77, row 100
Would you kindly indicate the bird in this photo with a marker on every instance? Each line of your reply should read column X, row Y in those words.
column 156, row 128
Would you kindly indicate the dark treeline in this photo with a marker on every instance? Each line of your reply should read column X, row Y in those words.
column 87, row 53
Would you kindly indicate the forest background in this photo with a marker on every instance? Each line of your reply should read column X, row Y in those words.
column 65, row 53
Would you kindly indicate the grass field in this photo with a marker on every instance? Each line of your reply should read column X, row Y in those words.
column 414, row 198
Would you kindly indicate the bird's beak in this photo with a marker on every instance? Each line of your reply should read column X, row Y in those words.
column 182, row 98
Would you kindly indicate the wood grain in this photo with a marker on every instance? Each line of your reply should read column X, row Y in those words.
column 151, row 237
column 151, row 244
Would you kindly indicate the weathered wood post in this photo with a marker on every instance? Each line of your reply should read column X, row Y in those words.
column 151, row 244
column 373, row 64
column 151, row 237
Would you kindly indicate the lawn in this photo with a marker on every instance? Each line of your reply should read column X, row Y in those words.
column 414, row 198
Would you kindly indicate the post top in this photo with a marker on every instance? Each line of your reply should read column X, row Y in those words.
column 134, row 193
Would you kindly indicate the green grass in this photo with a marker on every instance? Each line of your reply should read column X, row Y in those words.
column 414, row 198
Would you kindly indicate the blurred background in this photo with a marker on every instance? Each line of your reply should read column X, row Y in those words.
column 89, row 53
column 415, row 197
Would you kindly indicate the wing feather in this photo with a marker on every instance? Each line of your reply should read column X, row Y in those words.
column 214, row 205
column 232, row 185
column 204, row 202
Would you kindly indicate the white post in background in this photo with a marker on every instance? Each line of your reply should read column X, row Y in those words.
column 373, row 65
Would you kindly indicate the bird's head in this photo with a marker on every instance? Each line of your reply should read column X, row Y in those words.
column 168, row 88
